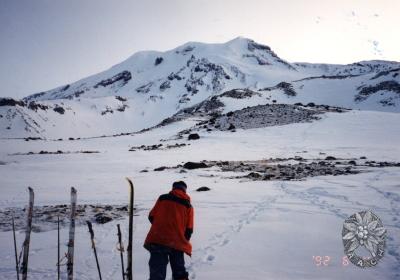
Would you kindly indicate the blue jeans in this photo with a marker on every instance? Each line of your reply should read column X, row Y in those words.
column 159, row 257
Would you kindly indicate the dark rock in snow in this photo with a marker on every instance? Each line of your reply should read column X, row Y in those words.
column 158, row 61
column 330, row 158
column 11, row 102
column 239, row 93
column 102, row 218
column 194, row 165
column 59, row 110
column 124, row 77
column 119, row 98
column 367, row 91
column 160, row 168
column 165, row 85
column 193, row 136
column 254, row 175
column 203, row 189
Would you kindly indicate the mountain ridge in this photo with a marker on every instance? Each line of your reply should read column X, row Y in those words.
column 151, row 86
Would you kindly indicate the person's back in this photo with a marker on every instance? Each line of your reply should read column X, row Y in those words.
column 170, row 232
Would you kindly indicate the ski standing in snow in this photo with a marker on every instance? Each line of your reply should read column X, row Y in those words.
column 71, row 242
column 24, row 266
column 130, row 240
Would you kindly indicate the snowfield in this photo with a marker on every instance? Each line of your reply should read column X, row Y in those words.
column 244, row 229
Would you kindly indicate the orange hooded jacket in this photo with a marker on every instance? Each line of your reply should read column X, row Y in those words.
column 172, row 222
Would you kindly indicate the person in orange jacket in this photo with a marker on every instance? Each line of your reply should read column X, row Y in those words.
column 169, row 237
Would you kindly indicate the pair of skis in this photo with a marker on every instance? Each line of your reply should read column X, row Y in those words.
column 23, row 269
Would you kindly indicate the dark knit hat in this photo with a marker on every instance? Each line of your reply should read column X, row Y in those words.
column 179, row 185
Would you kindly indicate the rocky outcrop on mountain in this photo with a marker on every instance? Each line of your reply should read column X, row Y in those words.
column 145, row 88
column 11, row 102
column 329, row 77
column 391, row 86
column 394, row 72
column 158, row 61
column 253, row 47
column 264, row 116
column 203, row 69
column 239, row 93
column 32, row 105
column 287, row 88
column 124, row 77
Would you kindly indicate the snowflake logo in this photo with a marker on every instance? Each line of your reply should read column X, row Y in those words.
column 364, row 229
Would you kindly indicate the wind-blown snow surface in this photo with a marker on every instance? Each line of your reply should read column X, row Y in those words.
column 243, row 229
column 151, row 86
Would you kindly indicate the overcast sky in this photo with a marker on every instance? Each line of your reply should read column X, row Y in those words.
column 48, row 43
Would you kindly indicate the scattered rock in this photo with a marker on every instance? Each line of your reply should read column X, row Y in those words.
column 32, row 138
column 194, row 165
column 158, row 61
column 231, row 127
column 45, row 217
column 58, row 152
column 330, row 158
column 59, row 110
column 102, row 218
column 162, row 168
column 203, row 189
column 157, row 147
column 193, row 136
column 119, row 98
column 254, row 175
column 122, row 77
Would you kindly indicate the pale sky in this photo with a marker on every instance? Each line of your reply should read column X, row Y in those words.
column 48, row 43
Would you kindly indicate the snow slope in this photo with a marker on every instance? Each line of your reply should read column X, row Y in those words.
column 244, row 229
column 151, row 86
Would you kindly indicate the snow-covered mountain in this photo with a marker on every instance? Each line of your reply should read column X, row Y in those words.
column 151, row 86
